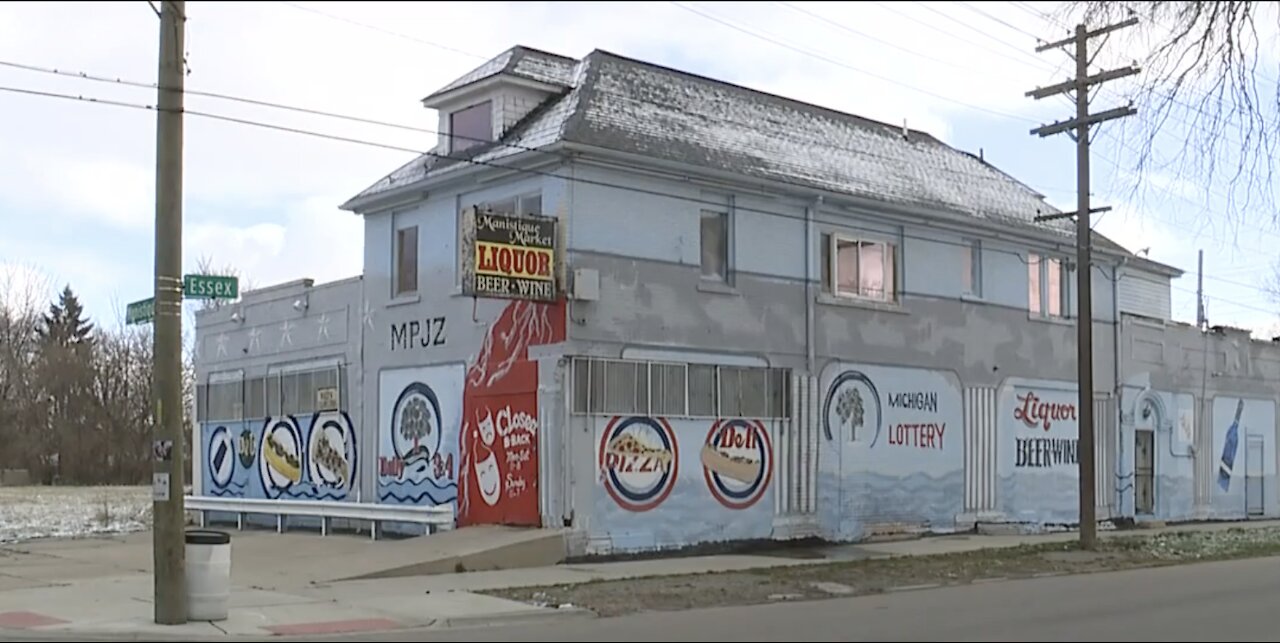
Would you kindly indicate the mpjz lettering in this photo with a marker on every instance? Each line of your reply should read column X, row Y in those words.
column 423, row 334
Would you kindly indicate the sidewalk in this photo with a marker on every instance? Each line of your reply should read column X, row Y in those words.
column 102, row 587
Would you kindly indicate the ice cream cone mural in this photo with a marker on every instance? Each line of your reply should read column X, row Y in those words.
column 498, row 451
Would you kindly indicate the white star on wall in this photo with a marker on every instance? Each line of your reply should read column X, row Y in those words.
column 255, row 339
column 285, row 336
column 368, row 315
column 222, row 345
column 323, row 323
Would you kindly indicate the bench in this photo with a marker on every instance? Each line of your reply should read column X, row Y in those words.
column 435, row 518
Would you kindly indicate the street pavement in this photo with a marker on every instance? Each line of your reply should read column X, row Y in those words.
column 1235, row 601
column 286, row 584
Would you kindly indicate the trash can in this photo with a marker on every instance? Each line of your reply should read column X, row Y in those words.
column 208, row 574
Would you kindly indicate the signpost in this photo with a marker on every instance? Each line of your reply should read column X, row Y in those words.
column 140, row 312
column 210, row 287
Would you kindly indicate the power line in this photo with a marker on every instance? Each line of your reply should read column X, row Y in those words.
column 850, row 67
column 221, row 96
column 385, row 31
column 849, row 225
column 887, row 43
column 999, row 20
column 479, row 162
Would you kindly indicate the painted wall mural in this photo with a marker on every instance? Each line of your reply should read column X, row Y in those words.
column 1039, row 451
column 418, row 429
column 675, row 481
column 894, row 451
column 1244, row 458
column 312, row 457
column 498, row 462
column 1170, row 421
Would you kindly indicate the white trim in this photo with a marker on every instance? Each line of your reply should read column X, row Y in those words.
column 309, row 365
column 692, row 357
column 222, row 377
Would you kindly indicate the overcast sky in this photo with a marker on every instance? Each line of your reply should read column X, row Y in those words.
column 76, row 179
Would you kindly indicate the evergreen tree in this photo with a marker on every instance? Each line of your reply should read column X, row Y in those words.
column 64, row 326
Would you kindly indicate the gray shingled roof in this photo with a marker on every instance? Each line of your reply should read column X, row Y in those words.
column 522, row 62
column 631, row 106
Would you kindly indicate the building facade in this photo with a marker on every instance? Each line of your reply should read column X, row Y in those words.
column 661, row 310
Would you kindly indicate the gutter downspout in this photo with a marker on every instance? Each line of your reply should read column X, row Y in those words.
column 809, row 313
column 1119, row 357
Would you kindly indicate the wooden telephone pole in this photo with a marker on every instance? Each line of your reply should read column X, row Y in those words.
column 168, row 531
column 1084, row 272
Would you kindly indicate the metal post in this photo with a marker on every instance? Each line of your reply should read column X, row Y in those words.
column 168, row 539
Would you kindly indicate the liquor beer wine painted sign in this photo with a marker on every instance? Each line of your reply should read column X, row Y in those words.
column 512, row 257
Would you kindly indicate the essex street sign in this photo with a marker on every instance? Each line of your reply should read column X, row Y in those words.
column 210, row 287
column 140, row 312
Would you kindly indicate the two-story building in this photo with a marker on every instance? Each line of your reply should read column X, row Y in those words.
column 662, row 309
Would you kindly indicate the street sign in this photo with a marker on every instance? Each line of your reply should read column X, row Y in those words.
column 140, row 312
column 210, row 287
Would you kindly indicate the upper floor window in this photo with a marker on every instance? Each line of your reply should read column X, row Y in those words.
column 715, row 245
column 523, row 205
column 1047, row 292
column 862, row 268
column 471, row 126
column 406, row 261
column 971, row 268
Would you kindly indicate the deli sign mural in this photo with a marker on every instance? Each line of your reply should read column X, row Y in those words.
column 510, row 257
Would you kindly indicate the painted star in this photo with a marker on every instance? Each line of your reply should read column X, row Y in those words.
column 222, row 345
column 285, row 333
column 323, row 323
column 368, row 315
column 255, row 339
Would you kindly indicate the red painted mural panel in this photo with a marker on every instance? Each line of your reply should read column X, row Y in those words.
column 498, row 476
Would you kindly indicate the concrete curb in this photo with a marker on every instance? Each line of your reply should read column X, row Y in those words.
column 516, row 618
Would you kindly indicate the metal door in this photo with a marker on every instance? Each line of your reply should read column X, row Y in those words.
column 1144, row 471
column 1253, row 485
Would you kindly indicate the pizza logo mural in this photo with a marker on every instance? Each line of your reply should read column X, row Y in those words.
column 852, row 407
column 280, row 460
column 639, row 461
column 737, row 462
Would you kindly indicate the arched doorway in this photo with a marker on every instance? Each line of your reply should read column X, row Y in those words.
column 1148, row 417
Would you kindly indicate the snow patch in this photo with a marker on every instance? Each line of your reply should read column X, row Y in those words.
column 28, row 513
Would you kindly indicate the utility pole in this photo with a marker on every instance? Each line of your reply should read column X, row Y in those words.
column 1200, row 316
column 168, row 523
column 1084, row 266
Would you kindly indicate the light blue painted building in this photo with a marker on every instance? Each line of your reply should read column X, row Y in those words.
column 772, row 320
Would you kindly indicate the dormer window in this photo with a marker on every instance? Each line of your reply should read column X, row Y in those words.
column 471, row 126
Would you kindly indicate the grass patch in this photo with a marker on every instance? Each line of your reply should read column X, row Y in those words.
column 862, row 577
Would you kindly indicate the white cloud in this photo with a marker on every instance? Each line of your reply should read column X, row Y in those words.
column 315, row 240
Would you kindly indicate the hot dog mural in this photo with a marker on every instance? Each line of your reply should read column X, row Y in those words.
column 311, row 457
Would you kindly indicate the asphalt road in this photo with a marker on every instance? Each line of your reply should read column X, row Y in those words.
column 1236, row 601
column 1229, row 601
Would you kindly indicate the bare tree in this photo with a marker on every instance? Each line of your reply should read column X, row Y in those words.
column 23, row 292
column 1205, row 73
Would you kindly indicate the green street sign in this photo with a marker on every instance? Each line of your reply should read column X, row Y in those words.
column 210, row 287
column 140, row 312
